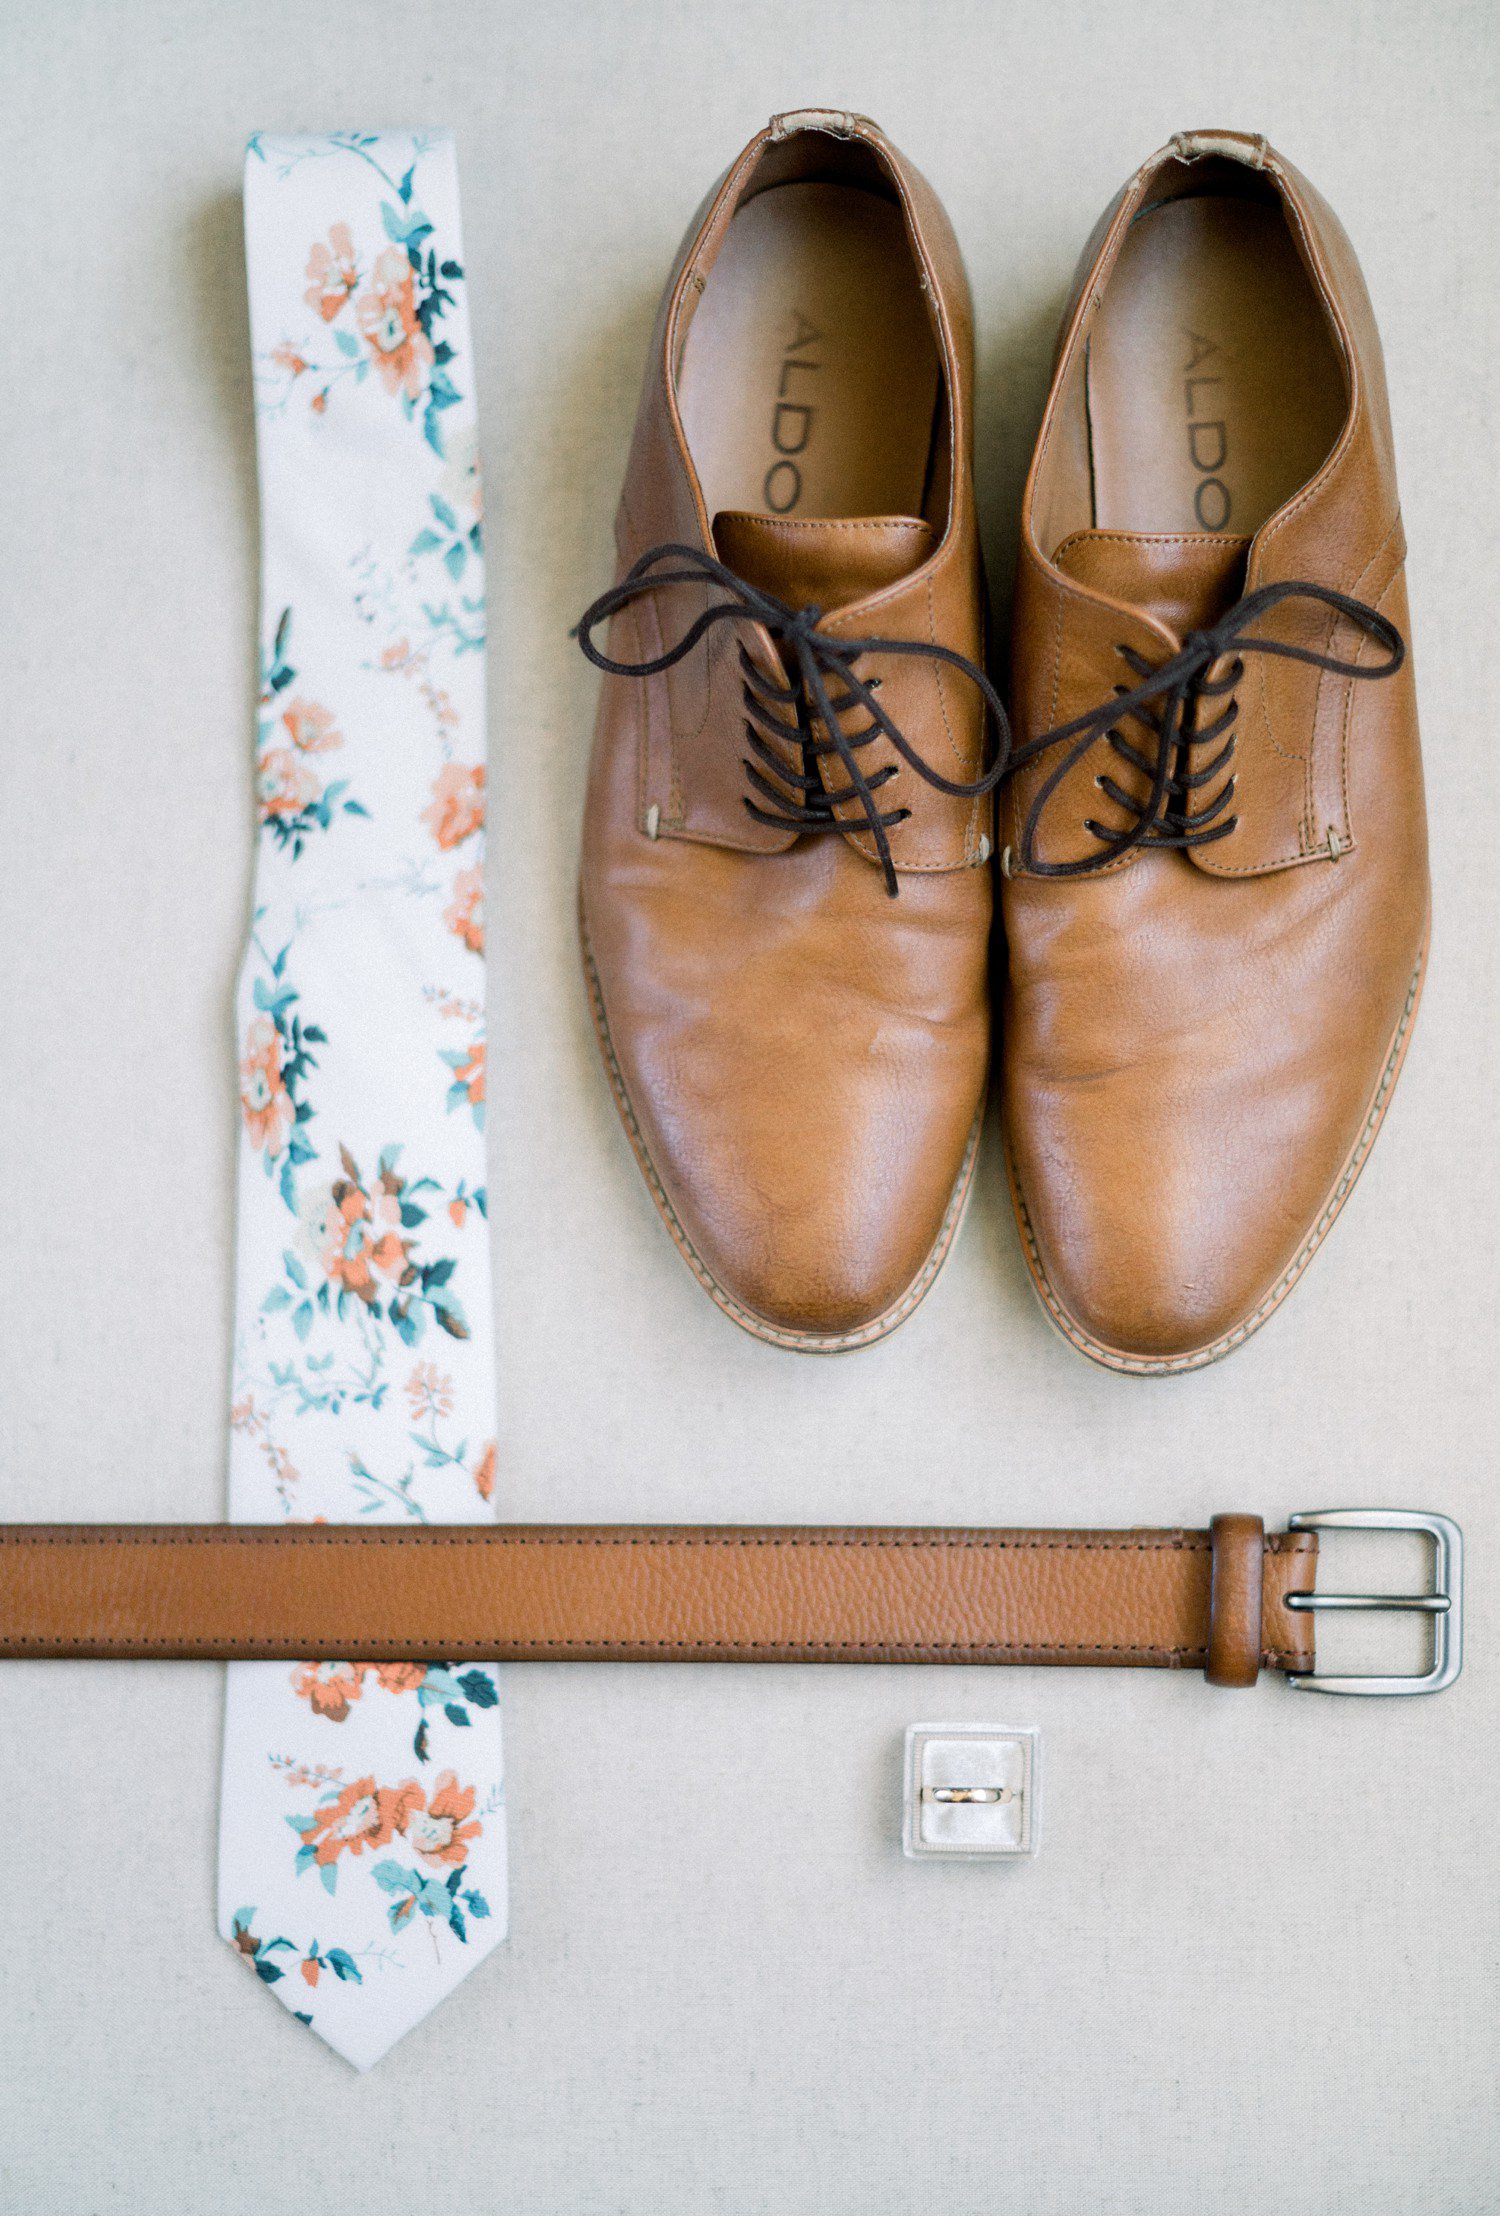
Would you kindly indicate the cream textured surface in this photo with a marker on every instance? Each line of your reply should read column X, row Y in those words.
column 1254, row 1964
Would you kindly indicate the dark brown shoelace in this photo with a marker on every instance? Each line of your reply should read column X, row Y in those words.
column 797, row 799
column 1172, row 813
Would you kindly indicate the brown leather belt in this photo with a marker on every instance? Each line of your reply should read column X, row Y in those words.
column 1214, row 1600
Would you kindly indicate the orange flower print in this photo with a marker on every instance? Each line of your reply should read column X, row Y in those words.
column 457, row 808
column 312, row 729
column 363, row 1815
column 355, row 1236
column 329, row 1687
column 484, row 1473
column 437, row 1833
column 245, row 1417
column 400, row 1677
column 388, row 318
column 363, row 1238
column 333, row 273
column 464, row 914
column 284, row 785
column 287, row 358
column 429, row 1391
column 293, row 801
column 470, row 1074
column 268, row 1107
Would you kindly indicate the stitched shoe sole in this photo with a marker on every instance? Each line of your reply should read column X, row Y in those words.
column 1167, row 1365
column 760, row 1327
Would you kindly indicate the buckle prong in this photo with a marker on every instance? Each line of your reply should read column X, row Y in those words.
column 1444, row 1604
column 1430, row 1604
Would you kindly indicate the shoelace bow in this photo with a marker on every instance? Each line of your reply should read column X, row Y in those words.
column 797, row 799
column 1170, row 815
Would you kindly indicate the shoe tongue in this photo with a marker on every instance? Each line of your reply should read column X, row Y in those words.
column 825, row 562
column 1185, row 581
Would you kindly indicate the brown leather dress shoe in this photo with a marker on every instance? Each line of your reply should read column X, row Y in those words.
column 1215, row 848
column 784, row 893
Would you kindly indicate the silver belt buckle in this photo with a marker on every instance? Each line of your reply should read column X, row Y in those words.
column 1444, row 1603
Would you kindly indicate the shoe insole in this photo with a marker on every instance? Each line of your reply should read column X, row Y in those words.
column 809, row 378
column 1215, row 388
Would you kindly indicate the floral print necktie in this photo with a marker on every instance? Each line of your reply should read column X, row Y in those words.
column 362, row 1845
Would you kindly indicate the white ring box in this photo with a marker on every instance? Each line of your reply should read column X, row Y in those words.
column 971, row 1789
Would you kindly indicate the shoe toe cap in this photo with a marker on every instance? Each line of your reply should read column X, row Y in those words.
column 1195, row 1071
column 1154, row 1272
column 835, row 1243
column 1168, row 1204
column 809, row 1136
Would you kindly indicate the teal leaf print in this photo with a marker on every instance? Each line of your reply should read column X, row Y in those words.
column 276, row 672
column 380, row 1492
column 276, row 1062
column 311, row 1962
column 438, row 1687
column 406, row 227
column 467, row 1089
column 258, row 1952
column 413, row 1892
column 455, row 541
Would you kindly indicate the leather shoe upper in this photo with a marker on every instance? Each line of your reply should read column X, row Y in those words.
column 1215, row 907
column 799, row 1058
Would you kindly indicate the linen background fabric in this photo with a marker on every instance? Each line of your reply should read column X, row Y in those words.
column 725, row 1993
column 362, row 1845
